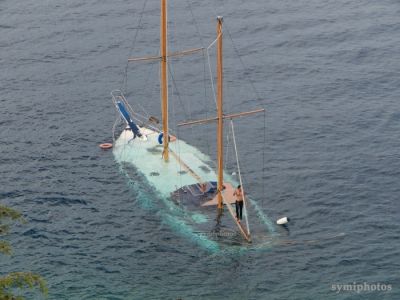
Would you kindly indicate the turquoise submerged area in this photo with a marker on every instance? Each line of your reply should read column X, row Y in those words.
column 146, row 156
column 328, row 74
column 141, row 159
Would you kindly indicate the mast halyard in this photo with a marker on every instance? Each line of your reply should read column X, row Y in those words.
column 164, row 78
column 220, row 119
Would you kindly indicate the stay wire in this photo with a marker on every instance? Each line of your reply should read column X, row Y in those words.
column 125, row 78
column 178, row 94
column 195, row 23
column 206, row 108
column 263, row 158
column 242, row 63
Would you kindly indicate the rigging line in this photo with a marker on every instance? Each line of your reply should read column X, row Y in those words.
column 206, row 108
column 211, row 78
column 211, row 75
column 212, row 44
column 185, row 105
column 117, row 120
column 179, row 167
column 242, row 63
column 176, row 89
column 263, row 157
column 209, row 67
column 147, row 90
column 227, row 147
column 187, row 114
column 195, row 23
column 240, row 180
column 178, row 141
column 171, row 91
column 125, row 79
column 172, row 39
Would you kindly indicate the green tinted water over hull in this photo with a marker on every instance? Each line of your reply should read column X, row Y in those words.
column 146, row 156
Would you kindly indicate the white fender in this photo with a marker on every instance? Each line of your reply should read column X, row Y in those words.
column 282, row 221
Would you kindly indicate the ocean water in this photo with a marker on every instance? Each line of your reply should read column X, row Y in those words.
column 328, row 74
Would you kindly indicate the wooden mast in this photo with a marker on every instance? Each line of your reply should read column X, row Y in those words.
column 164, row 78
column 220, row 119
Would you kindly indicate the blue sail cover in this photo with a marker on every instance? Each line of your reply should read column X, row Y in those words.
column 124, row 112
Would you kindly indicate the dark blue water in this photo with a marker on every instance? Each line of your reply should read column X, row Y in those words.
column 328, row 73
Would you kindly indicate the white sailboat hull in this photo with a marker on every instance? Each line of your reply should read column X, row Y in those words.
column 167, row 178
column 145, row 154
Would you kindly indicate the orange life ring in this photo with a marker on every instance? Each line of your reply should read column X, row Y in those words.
column 106, row 146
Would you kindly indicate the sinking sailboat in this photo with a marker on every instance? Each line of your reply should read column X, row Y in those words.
column 195, row 194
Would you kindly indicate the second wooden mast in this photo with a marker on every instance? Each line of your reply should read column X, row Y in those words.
column 220, row 119
column 164, row 78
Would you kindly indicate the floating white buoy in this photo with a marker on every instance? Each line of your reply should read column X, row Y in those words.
column 282, row 221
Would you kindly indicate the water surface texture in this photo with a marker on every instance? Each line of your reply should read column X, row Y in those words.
column 328, row 73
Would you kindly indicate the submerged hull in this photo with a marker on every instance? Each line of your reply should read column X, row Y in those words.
column 177, row 187
column 146, row 155
column 176, row 184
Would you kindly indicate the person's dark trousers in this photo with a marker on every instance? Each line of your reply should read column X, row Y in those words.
column 239, row 209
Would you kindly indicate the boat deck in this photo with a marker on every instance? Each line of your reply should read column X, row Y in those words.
column 186, row 178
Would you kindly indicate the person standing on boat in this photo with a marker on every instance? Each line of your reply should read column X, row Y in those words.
column 239, row 202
